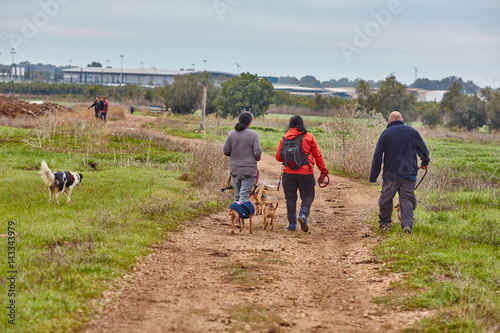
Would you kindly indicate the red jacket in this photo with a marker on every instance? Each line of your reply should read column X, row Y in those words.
column 105, row 107
column 310, row 145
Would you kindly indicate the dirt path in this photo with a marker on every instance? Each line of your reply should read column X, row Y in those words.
column 203, row 279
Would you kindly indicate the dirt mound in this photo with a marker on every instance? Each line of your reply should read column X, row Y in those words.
column 13, row 108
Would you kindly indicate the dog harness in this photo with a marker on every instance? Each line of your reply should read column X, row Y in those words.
column 244, row 209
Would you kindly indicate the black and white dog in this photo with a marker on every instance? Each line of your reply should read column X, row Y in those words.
column 63, row 181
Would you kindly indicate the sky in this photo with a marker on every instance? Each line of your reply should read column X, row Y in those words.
column 328, row 39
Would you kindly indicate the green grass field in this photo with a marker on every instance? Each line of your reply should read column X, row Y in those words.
column 135, row 192
column 451, row 261
column 68, row 254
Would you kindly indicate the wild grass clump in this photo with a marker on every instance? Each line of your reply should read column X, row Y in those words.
column 209, row 165
column 348, row 140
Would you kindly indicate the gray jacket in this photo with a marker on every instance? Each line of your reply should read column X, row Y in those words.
column 243, row 149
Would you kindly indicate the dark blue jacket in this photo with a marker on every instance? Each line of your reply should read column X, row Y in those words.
column 399, row 145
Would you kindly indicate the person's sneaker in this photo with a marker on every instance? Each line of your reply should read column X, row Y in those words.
column 384, row 228
column 407, row 230
column 303, row 223
column 291, row 227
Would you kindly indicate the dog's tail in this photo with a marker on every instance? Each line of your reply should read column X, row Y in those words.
column 47, row 175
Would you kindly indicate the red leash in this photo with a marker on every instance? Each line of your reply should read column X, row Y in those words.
column 323, row 180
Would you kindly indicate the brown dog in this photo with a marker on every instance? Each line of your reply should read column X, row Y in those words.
column 235, row 217
column 259, row 202
column 270, row 213
column 398, row 208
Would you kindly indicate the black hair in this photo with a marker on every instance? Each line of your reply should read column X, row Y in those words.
column 298, row 122
column 244, row 120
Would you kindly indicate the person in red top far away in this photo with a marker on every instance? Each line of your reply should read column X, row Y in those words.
column 105, row 110
column 299, row 174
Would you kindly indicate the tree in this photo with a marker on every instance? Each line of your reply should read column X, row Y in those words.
column 288, row 80
column 431, row 114
column 487, row 94
column 493, row 111
column 365, row 95
column 451, row 98
column 468, row 112
column 391, row 96
column 93, row 90
column 185, row 94
column 310, row 81
column 95, row 64
column 245, row 92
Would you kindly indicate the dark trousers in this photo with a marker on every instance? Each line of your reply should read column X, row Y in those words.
column 305, row 184
column 407, row 201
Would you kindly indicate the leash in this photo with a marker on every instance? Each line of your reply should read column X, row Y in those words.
column 323, row 180
column 229, row 187
column 279, row 181
column 421, row 179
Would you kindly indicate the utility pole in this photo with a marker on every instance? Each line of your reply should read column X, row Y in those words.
column 204, row 65
column 416, row 72
column 203, row 109
column 13, row 67
column 121, row 70
column 237, row 68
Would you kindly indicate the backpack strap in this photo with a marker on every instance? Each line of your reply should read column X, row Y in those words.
column 308, row 164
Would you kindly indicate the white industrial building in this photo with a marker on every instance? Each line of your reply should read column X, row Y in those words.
column 143, row 77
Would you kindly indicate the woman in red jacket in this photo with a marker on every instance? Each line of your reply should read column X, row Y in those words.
column 299, row 174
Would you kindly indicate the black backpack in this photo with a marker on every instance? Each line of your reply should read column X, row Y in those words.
column 292, row 154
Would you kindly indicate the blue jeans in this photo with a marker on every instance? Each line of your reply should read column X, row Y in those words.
column 243, row 184
column 103, row 116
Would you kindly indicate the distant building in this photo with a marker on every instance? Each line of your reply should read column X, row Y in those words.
column 347, row 92
column 423, row 95
column 143, row 77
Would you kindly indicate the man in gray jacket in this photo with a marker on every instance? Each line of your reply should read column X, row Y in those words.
column 243, row 148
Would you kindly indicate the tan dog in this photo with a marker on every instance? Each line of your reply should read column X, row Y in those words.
column 235, row 217
column 259, row 202
column 398, row 208
column 270, row 213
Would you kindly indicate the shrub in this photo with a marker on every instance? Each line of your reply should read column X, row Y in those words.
column 348, row 140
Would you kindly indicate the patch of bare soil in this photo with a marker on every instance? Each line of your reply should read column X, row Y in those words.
column 203, row 279
column 15, row 108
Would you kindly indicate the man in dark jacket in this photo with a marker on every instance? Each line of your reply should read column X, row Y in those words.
column 398, row 147
column 98, row 105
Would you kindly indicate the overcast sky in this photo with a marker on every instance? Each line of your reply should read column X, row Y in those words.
column 367, row 39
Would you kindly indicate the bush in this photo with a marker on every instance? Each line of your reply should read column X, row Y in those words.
column 348, row 140
column 432, row 116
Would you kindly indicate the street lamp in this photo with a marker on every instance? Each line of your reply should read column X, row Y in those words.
column 13, row 68
column 204, row 65
column 237, row 68
column 121, row 69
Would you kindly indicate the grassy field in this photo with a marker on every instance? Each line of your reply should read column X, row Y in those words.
column 138, row 187
column 134, row 193
column 451, row 262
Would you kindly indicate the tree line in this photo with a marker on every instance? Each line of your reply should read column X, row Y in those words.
column 457, row 108
column 248, row 92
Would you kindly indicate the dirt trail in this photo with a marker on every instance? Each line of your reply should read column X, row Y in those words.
column 203, row 279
